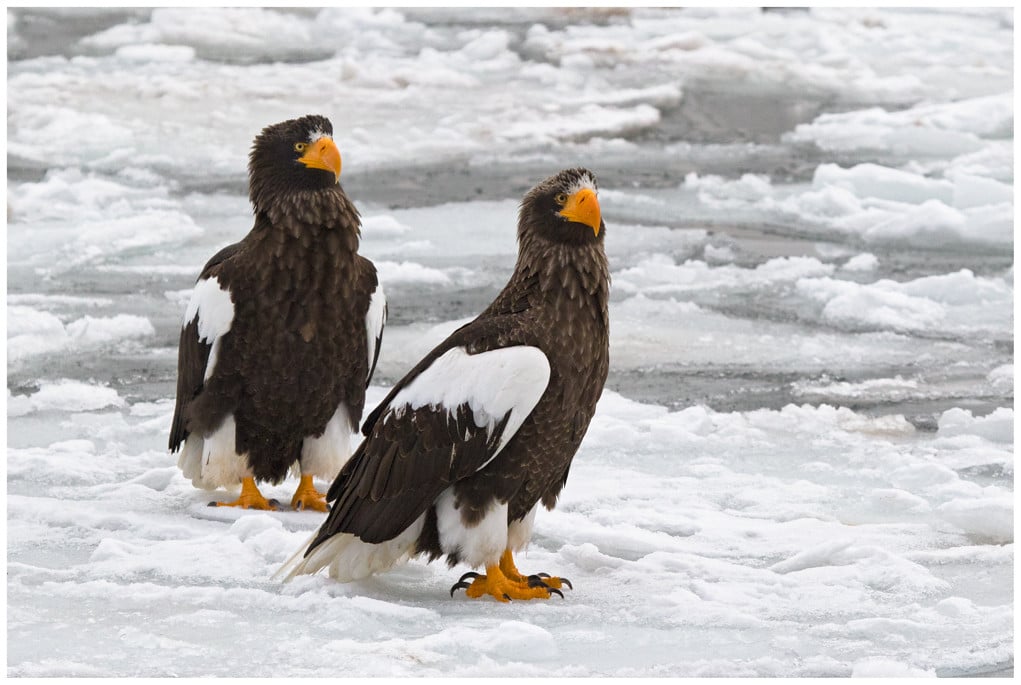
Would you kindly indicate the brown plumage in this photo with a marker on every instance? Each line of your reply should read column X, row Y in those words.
column 283, row 330
column 480, row 431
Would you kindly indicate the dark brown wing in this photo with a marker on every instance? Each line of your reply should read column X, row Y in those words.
column 411, row 454
column 192, row 357
column 400, row 470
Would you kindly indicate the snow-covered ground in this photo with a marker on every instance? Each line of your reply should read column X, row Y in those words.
column 802, row 463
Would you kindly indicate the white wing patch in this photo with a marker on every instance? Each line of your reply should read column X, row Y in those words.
column 375, row 319
column 492, row 383
column 212, row 304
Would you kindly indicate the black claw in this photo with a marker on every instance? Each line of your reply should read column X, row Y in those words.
column 536, row 581
column 211, row 504
column 297, row 507
column 553, row 589
column 506, row 596
column 460, row 585
column 565, row 581
column 470, row 574
column 275, row 502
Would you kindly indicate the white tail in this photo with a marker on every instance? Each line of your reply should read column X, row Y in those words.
column 347, row 558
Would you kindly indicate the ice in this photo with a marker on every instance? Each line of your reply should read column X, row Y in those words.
column 802, row 464
column 1002, row 377
column 877, row 181
column 997, row 426
column 152, row 53
column 958, row 302
column 944, row 129
column 32, row 332
column 862, row 262
column 991, row 518
column 896, row 388
column 879, row 667
column 64, row 395
column 749, row 539
column 405, row 272
column 660, row 275
column 719, row 192
column 213, row 32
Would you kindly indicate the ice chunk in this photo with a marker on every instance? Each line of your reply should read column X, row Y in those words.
column 409, row 272
column 716, row 191
column 997, row 426
column 862, row 262
column 151, row 53
column 989, row 517
column 33, row 332
column 874, row 180
column 68, row 395
column 958, row 301
column 1002, row 377
column 927, row 130
column 884, row 667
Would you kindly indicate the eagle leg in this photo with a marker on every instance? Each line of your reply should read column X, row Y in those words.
column 504, row 583
column 307, row 497
column 250, row 498
column 539, row 579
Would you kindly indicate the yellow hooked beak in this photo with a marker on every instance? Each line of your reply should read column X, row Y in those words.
column 583, row 207
column 322, row 154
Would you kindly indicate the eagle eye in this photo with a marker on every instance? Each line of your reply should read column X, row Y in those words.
column 561, row 198
column 300, row 147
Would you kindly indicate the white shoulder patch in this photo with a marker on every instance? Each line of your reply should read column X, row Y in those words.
column 492, row 383
column 375, row 320
column 211, row 303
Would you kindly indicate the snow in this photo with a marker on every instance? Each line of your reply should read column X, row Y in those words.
column 747, row 535
column 802, row 464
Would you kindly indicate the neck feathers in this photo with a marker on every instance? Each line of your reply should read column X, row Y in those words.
column 317, row 217
column 570, row 270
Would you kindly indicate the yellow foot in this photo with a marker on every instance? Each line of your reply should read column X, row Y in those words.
column 504, row 582
column 511, row 571
column 250, row 498
column 307, row 497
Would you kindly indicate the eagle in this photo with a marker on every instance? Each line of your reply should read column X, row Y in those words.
column 282, row 332
column 458, row 456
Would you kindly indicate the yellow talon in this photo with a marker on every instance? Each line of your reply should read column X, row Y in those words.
column 511, row 571
column 250, row 498
column 307, row 497
column 497, row 585
column 504, row 582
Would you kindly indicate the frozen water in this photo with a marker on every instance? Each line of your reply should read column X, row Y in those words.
column 803, row 461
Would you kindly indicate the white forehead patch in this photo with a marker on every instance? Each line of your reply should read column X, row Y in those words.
column 582, row 183
column 316, row 134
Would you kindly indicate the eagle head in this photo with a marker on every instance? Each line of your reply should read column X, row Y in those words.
column 294, row 155
column 564, row 208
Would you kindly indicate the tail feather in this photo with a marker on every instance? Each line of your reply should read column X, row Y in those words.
column 190, row 462
column 348, row 558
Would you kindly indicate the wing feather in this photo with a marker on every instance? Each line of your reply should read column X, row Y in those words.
column 375, row 321
column 444, row 424
column 198, row 343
